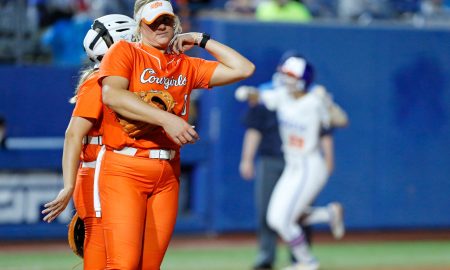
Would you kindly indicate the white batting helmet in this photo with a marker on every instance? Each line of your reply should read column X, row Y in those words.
column 105, row 31
column 299, row 68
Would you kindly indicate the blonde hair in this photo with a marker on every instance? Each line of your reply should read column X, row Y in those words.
column 138, row 5
column 84, row 75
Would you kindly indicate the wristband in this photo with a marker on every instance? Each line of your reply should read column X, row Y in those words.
column 204, row 40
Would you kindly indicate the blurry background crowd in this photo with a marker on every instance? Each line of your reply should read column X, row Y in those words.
column 50, row 31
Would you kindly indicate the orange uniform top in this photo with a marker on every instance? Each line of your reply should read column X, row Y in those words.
column 147, row 68
column 89, row 105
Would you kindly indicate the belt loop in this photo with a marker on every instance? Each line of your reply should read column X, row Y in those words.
column 154, row 153
column 90, row 164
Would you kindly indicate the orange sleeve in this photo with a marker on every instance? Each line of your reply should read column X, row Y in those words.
column 89, row 99
column 204, row 71
column 118, row 61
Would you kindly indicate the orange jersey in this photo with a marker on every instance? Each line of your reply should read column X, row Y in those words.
column 146, row 68
column 89, row 105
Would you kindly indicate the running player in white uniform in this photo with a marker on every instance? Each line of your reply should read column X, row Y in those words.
column 302, row 115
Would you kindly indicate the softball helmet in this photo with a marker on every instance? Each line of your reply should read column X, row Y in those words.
column 105, row 31
column 299, row 68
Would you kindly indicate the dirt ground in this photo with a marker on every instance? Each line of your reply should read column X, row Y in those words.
column 233, row 239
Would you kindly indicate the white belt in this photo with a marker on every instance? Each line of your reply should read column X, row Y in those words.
column 153, row 153
column 93, row 140
column 88, row 164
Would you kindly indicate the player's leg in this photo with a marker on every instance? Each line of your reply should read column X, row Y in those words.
column 313, row 180
column 331, row 214
column 268, row 172
column 82, row 194
column 295, row 191
column 94, row 246
column 124, row 186
column 285, row 209
column 162, row 208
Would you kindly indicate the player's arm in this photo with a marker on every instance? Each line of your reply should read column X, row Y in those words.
column 327, row 144
column 116, row 96
column 78, row 128
column 232, row 66
column 252, row 139
column 338, row 116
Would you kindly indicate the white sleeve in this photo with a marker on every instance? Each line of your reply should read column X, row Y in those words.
column 271, row 99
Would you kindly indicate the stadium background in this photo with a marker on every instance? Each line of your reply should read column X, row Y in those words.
column 392, row 170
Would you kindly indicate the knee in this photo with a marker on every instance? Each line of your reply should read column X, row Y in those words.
column 123, row 263
column 274, row 221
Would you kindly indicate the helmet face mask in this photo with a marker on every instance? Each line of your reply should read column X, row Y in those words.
column 105, row 31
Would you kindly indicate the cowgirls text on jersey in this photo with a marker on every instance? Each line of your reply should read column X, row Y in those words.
column 148, row 76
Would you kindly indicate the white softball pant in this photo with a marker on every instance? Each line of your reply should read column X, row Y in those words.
column 300, row 183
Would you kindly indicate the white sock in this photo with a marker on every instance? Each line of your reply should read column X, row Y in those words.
column 300, row 249
column 302, row 253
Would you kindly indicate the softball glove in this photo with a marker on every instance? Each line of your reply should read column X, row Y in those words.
column 75, row 235
column 160, row 99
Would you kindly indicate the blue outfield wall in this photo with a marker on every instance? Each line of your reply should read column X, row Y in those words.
column 391, row 163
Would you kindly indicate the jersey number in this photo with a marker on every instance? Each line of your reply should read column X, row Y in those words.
column 295, row 141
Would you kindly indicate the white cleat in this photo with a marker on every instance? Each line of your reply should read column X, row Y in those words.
column 314, row 265
column 337, row 220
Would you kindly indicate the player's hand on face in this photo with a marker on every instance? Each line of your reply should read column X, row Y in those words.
column 180, row 131
column 57, row 206
column 182, row 43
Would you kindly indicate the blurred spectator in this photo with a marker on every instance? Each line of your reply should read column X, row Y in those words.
column 98, row 8
column 434, row 9
column 183, row 10
column 322, row 8
column 283, row 10
column 2, row 133
column 51, row 11
column 365, row 10
column 247, row 7
column 404, row 9
column 64, row 39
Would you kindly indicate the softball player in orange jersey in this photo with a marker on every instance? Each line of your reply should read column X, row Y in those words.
column 139, row 178
column 85, row 128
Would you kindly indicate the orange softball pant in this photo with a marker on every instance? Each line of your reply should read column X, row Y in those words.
column 139, row 201
column 94, row 243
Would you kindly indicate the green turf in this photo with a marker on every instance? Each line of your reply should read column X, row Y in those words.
column 336, row 256
column 331, row 256
column 36, row 260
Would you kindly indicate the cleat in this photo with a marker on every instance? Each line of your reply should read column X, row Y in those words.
column 313, row 265
column 337, row 220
